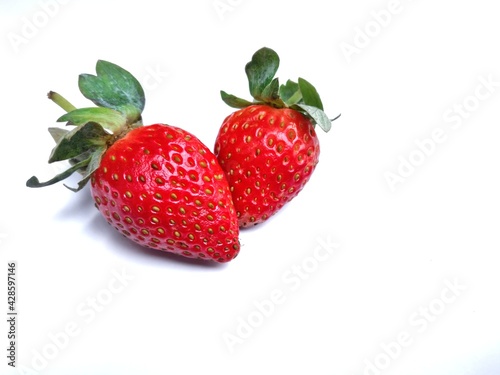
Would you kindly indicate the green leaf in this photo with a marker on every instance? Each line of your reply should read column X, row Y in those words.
column 114, row 87
column 58, row 133
column 318, row 116
column 106, row 117
column 310, row 96
column 93, row 164
column 270, row 92
column 261, row 70
column 290, row 93
column 234, row 101
column 33, row 182
column 78, row 141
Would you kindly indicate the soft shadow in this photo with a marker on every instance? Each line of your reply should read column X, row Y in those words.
column 99, row 227
column 79, row 206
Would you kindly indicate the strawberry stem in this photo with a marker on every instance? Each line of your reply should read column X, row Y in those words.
column 61, row 101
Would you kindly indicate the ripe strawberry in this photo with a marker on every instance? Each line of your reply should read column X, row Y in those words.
column 158, row 185
column 269, row 148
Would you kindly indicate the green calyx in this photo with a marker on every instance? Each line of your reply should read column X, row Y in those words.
column 120, row 101
column 265, row 89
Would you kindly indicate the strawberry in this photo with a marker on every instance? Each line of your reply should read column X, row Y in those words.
column 268, row 148
column 158, row 185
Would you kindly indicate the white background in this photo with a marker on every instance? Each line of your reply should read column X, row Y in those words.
column 398, row 78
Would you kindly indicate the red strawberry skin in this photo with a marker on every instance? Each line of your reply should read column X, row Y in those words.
column 163, row 188
column 268, row 155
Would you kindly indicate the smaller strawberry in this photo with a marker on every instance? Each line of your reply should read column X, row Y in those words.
column 158, row 185
column 268, row 149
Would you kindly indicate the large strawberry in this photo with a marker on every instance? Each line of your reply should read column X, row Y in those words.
column 269, row 148
column 158, row 185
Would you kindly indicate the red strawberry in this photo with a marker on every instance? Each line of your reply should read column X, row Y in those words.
column 269, row 148
column 158, row 185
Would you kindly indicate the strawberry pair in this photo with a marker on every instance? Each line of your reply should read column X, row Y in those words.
column 162, row 187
